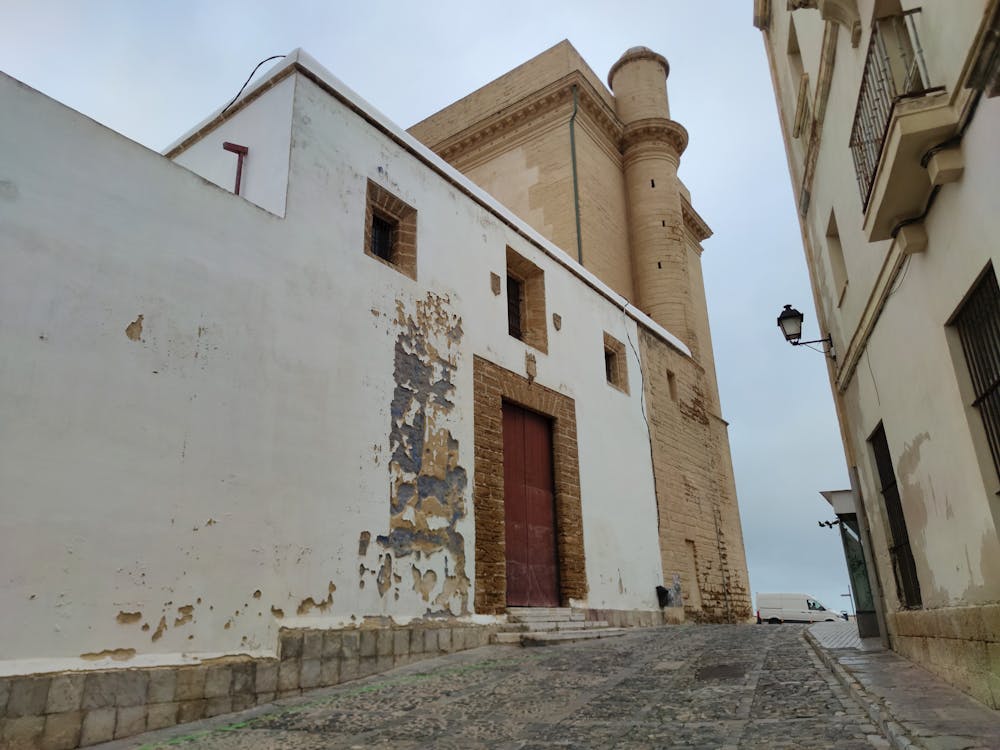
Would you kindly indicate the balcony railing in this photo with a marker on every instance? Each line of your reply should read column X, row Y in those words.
column 894, row 70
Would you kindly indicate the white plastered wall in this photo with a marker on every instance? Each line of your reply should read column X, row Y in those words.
column 171, row 482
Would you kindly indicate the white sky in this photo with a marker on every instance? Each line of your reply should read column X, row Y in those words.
column 151, row 70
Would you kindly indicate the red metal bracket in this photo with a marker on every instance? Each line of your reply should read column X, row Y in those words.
column 241, row 152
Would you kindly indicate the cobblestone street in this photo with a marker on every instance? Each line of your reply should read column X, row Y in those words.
column 713, row 686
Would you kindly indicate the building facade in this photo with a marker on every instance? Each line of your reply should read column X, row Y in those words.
column 890, row 119
column 297, row 401
column 594, row 169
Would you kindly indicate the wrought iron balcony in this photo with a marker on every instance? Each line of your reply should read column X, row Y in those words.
column 894, row 70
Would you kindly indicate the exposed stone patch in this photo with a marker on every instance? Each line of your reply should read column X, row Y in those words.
column 127, row 618
column 423, row 583
column 186, row 615
column 134, row 329
column 160, row 629
column 118, row 654
column 309, row 604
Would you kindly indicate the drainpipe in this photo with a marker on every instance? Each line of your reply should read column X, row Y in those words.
column 576, row 187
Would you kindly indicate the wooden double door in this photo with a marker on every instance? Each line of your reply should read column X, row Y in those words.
column 529, row 504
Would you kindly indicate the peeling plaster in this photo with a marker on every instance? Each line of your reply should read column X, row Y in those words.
column 427, row 483
column 117, row 654
column 134, row 329
column 127, row 618
column 160, row 629
column 278, row 613
column 423, row 584
column 363, row 542
column 308, row 604
column 186, row 615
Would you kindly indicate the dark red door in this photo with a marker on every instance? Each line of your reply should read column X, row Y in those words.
column 529, row 502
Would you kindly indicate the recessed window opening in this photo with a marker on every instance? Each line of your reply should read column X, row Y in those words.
column 652, row 183
column 382, row 230
column 978, row 324
column 615, row 366
column 515, row 303
column 672, row 385
column 835, row 250
column 390, row 230
column 526, row 318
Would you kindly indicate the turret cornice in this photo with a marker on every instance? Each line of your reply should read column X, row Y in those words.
column 655, row 132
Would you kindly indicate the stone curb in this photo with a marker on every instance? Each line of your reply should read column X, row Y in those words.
column 878, row 712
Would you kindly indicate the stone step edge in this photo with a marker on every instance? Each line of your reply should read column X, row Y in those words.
column 877, row 711
column 571, row 636
column 562, row 636
column 545, row 627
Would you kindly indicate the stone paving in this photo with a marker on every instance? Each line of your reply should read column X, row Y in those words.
column 914, row 708
column 708, row 686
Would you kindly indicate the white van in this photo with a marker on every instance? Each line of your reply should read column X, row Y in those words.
column 778, row 608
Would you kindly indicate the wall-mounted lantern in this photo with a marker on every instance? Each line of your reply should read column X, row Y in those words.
column 790, row 323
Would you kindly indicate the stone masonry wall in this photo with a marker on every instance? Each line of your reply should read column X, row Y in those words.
column 700, row 535
column 960, row 644
column 58, row 711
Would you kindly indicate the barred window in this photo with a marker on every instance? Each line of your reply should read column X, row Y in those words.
column 978, row 326
column 903, row 566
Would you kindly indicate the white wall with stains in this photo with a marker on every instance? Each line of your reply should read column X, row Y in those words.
column 198, row 395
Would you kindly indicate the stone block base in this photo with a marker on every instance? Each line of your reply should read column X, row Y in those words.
column 959, row 644
column 637, row 618
column 59, row 711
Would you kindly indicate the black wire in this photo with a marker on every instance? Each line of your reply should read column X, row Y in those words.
column 872, row 373
column 899, row 282
column 266, row 59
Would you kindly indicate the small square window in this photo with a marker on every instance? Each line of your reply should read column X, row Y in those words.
column 391, row 230
column 615, row 366
column 526, row 301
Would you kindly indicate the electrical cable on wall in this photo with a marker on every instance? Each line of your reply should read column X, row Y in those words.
column 256, row 68
column 642, row 403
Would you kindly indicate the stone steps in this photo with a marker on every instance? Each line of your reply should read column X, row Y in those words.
column 543, row 626
column 544, row 614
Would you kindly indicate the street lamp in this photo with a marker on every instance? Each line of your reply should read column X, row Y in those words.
column 790, row 323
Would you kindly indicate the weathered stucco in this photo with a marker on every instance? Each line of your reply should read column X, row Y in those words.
column 427, row 483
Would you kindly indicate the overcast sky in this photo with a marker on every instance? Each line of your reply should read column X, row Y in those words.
column 151, row 70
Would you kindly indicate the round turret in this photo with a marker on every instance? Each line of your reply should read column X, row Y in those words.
column 639, row 83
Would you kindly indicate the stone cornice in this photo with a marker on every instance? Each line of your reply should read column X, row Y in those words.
column 844, row 12
column 693, row 222
column 655, row 130
column 762, row 14
column 530, row 108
